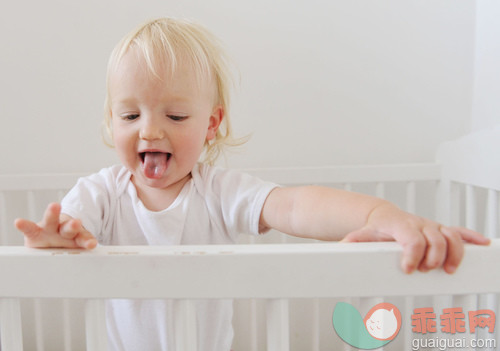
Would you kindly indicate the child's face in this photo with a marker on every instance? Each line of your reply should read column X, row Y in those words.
column 160, row 126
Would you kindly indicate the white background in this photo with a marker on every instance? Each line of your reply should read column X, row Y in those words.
column 322, row 82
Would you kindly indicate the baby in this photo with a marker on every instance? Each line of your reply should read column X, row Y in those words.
column 167, row 107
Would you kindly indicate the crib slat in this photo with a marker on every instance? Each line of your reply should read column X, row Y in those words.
column 95, row 325
column 37, row 309
column 470, row 207
column 277, row 316
column 490, row 301
column 252, row 314
column 253, row 330
column 411, row 197
column 185, row 326
column 380, row 190
column 39, row 334
column 66, row 324
column 10, row 325
column 469, row 302
column 32, row 211
column 455, row 205
column 492, row 214
column 315, row 342
column 409, row 305
column 443, row 202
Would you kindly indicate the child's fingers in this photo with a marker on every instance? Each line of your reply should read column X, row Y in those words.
column 73, row 229
column 435, row 253
column 414, row 245
column 455, row 251
column 50, row 219
column 28, row 228
column 468, row 235
column 456, row 237
column 70, row 229
column 85, row 240
column 414, row 249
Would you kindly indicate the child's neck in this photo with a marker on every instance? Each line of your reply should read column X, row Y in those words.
column 159, row 199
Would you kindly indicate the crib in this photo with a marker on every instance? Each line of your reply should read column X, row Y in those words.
column 54, row 299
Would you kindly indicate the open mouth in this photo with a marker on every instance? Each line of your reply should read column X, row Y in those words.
column 142, row 155
column 154, row 163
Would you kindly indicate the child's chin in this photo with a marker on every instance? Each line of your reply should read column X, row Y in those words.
column 139, row 178
column 154, row 182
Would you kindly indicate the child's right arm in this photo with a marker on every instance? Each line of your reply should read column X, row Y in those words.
column 55, row 230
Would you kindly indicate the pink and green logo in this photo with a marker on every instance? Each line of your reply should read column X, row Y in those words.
column 380, row 325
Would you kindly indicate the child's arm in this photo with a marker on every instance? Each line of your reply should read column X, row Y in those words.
column 331, row 214
column 56, row 230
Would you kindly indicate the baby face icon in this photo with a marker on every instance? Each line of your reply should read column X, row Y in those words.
column 383, row 321
column 380, row 326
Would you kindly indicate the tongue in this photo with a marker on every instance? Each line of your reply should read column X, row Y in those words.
column 155, row 164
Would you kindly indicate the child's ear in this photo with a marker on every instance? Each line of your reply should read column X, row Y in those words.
column 215, row 121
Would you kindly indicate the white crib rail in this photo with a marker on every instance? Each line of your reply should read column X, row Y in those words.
column 215, row 271
column 283, row 272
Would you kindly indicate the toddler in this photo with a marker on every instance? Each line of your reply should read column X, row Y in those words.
column 167, row 107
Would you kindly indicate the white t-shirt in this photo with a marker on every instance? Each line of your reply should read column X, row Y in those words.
column 214, row 207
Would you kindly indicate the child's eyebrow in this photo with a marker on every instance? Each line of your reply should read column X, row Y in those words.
column 125, row 100
column 174, row 99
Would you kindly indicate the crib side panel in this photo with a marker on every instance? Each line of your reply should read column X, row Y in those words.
column 45, row 322
column 411, row 187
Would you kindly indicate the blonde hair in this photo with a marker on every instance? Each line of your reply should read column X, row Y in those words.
column 166, row 41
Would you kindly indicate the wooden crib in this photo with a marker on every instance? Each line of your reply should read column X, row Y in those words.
column 285, row 289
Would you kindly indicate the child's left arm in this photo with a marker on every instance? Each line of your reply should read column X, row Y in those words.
column 331, row 214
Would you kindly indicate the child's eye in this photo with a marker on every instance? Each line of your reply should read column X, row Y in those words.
column 130, row 117
column 177, row 118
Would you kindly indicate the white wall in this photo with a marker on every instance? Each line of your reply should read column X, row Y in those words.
column 323, row 82
column 486, row 102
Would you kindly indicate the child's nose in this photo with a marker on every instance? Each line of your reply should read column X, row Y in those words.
column 151, row 130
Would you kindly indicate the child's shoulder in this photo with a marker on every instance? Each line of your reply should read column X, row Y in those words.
column 203, row 175
column 208, row 178
column 115, row 178
column 208, row 174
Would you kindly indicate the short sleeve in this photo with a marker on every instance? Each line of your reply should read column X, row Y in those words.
column 237, row 196
column 91, row 200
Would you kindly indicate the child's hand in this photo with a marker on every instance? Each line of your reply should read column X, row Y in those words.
column 55, row 230
column 426, row 244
